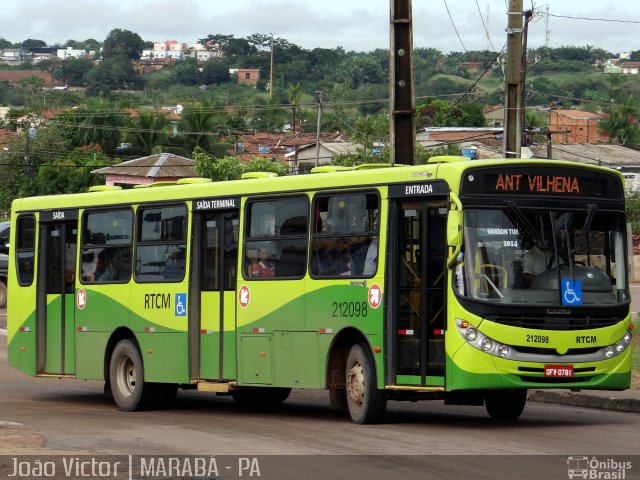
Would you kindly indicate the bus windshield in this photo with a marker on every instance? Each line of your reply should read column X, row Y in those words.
column 532, row 256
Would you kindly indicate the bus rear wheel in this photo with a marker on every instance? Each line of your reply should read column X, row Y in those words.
column 365, row 402
column 126, row 377
column 505, row 405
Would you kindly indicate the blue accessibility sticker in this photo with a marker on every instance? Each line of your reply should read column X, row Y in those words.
column 181, row 304
column 571, row 292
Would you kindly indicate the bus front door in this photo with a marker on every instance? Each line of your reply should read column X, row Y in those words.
column 212, row 321
column 56, row 294
column 418, row 305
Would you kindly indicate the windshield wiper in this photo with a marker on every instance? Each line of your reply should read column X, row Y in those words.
column 523, row 223
column 585, row 228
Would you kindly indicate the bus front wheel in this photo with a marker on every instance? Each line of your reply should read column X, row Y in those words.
column 505, row 405
column 366, row 403
column 126, row 377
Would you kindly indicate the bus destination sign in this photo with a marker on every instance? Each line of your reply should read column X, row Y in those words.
column 537, row 183
column 541, row 181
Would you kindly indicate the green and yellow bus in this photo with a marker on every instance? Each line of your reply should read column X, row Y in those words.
column 459, row 280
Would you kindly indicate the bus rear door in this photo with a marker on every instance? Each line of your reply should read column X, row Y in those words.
column 214, row 263
column 417, row 308
column 55, row 321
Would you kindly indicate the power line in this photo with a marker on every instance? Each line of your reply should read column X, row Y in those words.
column 484, row 25
column 593, row 19
column 454, row 26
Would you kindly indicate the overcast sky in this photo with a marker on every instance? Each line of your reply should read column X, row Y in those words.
column 360, row 25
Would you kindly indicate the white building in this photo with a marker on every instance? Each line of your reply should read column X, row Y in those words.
column 64, row 53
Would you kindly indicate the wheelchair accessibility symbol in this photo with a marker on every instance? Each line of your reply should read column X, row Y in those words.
column 181, row 305
column 571, row 292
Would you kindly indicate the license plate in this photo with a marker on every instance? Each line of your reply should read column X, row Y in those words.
column 559, row 371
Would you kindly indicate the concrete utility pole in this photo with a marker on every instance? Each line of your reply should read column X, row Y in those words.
column 319, row 100
column 523, row 82
column 513, row 81
column 401, row 99
column 271, row 72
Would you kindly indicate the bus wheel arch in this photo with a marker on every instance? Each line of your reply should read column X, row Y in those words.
column 126, row 376
column 337, row 373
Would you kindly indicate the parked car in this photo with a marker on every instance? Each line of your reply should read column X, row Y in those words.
column 4, row 268
column 5, row 229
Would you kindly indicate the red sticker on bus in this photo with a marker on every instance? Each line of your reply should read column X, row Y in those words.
column 375, row 295
column 81, row 299
column 243, row 296
column 559, row 371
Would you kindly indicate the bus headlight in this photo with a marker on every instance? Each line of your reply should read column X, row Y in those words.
column 503, row 351
column 471, row 334
column 617, row 348
column 486, row 344
column 479, row 340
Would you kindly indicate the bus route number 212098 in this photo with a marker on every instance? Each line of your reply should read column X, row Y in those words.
column 349, row 309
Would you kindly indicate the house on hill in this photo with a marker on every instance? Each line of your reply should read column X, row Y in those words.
column 161, row 167
column 575, row 126
column 303, row 158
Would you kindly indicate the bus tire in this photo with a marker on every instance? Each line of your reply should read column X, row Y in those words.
column 366, row 403
column 126, row 377
column 260, row 395
column 505, row 405
column 3, row 294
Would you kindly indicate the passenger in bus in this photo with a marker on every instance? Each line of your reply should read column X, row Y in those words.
column 102, row 272
column 26, row 271
column 264, row 267
column 371, row 260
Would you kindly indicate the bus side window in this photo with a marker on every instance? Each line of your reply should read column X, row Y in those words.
column 25, row 249
column 345, row 239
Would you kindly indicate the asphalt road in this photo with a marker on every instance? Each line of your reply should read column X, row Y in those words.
column 71, row 417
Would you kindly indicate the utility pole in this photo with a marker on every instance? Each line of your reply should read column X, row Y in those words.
column 271, row 72
column 513, row 79
column 401, row 99
column 319, row 100
column 523, row 85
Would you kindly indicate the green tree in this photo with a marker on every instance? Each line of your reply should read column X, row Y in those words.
column 100, row 124
column 217, row 169
column 200, row 127
column 230, row 168
column 619, row 125
column 4, row 43
column 215, row 72
column 75, row 71
column 147, row 131
column 71, row 174
column 123, row 43
column 632, row 207
column 113, row 73
column 31, row 43
column 185, row 72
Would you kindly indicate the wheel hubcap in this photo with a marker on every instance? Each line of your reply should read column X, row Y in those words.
column 126, row 373
column 355, row 385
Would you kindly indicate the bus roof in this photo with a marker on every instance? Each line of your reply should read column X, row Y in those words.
column 449, row 170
